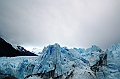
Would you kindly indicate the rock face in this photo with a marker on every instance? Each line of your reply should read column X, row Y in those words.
column 25, row 52
column 62, row 63
column 6, row 50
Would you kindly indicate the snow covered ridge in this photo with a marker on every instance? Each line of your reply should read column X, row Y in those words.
column 62, row 63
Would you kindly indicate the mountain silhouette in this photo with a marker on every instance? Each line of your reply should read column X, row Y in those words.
column 6, row 50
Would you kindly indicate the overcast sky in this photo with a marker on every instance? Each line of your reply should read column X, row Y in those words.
column 71, row 23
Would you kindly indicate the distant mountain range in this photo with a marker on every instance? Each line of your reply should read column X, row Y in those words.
column 6, row 50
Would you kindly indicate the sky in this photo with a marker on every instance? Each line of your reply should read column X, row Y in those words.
column 71, row 23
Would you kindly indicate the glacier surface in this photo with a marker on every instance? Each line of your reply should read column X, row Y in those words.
column 62, row 63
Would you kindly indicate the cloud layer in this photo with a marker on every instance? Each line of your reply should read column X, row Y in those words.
column 77, row 23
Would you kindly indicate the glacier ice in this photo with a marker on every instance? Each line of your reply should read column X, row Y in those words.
column 57, row 62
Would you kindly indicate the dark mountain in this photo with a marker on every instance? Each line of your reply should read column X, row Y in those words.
column 7, row 50
column 24, row 51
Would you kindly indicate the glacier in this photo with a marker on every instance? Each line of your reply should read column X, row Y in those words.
column 56, row 62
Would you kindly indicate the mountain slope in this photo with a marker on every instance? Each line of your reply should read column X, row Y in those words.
column 25, row 52
column 7, row 50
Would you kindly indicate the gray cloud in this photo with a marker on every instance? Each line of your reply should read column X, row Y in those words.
column 77, row 23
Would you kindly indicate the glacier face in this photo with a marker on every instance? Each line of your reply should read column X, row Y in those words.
column 62, row 63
